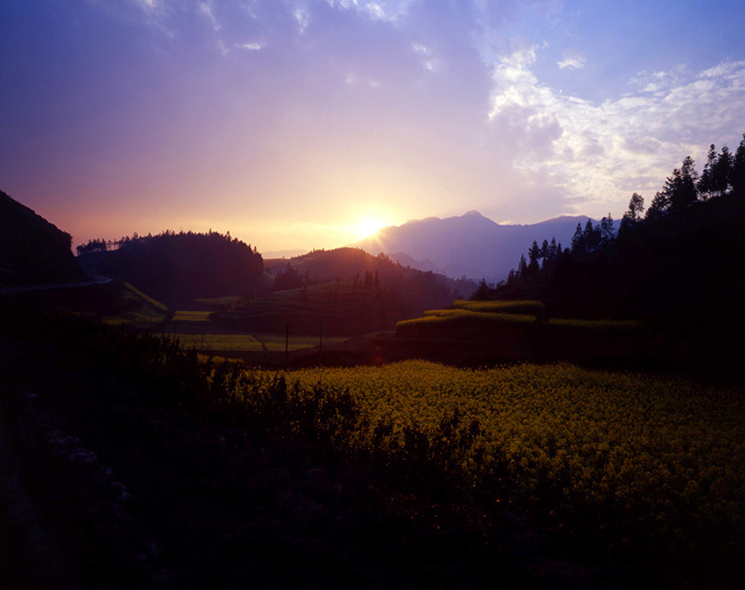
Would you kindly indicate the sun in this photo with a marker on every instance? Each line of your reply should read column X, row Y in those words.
column 368, row 227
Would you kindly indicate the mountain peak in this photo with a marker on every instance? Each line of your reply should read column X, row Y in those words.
column 469, row 244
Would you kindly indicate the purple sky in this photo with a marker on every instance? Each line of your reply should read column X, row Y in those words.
column 290, row 122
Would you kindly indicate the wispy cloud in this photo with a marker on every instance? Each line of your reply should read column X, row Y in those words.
column 206, row 10
column 148, row 4
column 572, row 59
column 255, row 46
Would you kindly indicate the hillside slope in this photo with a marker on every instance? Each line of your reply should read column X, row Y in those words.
column 32, row 250
column 348, row 290
column 177, row 268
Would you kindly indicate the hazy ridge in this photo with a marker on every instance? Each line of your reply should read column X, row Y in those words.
column 470, row 245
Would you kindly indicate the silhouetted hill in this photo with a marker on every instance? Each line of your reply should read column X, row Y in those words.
column 349, row 290
column 470, row 245
column 177, row 268
column 32, row 250
column 352, row 264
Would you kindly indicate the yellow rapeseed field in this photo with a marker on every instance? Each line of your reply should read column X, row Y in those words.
column 623, row 446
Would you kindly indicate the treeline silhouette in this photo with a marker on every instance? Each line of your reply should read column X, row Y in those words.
column 179, row 267
column 677, row 266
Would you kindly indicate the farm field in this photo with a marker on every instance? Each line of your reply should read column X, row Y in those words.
column 511, row 313
column 651, row 468
column 344, row 309
column 519, row 331
column 195, row 330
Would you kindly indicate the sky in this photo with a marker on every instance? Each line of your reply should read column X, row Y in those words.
column 297, row 124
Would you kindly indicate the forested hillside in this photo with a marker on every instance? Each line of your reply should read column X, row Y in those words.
column 179, row 267
column 348, row 290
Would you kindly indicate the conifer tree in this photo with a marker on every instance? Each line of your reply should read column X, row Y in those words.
column 706, row 182
column 738, row 169
column 552, row 248
column 607, row 232
column 681, row 187
column 722, row 171
column 591, row 237
column 534, row 253
column 522, row 267
column 659, row 207
column 578, row 241
column 544, row 250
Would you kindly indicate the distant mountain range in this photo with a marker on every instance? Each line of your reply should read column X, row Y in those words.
column 470, row 245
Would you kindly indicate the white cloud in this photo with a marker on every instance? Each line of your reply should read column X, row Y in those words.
column 250, row 46
column 148, row 4
column 353, row 79
column 572, row 59
column 346, row 4
column 206, row 11
column 383, row 10
column 376, row 11
column 605, row 151
column 302, row 17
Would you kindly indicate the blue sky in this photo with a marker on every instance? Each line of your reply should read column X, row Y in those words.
column 291, row 122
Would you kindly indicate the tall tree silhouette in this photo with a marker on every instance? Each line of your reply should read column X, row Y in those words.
column 678, row 193
column 633, row 214
column 706, row 182
column 721, row 172
column 534, row 253
column 682, row 186
column 738, row 169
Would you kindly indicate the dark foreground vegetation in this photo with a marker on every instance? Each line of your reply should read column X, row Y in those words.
column 151, row 468
column 130, row 463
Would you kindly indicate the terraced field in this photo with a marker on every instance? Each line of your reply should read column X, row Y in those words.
column 195, row 330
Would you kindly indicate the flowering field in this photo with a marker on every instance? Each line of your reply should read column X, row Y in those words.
column 533, row 308
column 632, row 459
